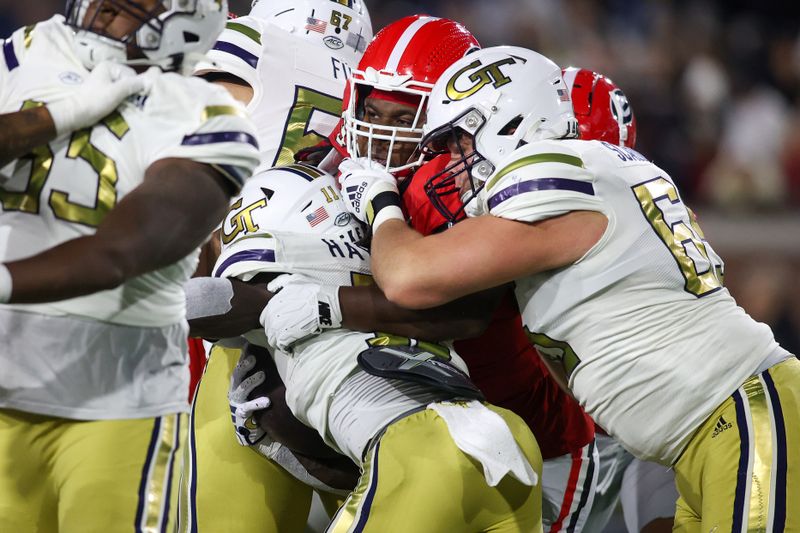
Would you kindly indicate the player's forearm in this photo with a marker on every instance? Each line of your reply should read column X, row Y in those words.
column 74, row 268
column 401, row 263
column 155, row 225
column 22, row 131
column 367, row 309
column 224, row 308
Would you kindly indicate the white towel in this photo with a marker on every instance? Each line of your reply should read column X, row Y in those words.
column 484, row 435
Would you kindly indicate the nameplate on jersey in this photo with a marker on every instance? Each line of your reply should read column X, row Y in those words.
column 411, row 363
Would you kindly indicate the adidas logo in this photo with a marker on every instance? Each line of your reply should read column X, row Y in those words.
column 355, row 192
column 721, row 426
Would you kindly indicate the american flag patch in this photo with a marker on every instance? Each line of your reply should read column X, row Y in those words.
column 563, row 95
column 316, row 25
column 317, row 216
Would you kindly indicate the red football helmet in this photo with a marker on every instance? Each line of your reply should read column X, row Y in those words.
column 403, row 62
column 602, row 109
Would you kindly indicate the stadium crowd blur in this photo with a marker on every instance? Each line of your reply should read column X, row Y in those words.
column 715, row 86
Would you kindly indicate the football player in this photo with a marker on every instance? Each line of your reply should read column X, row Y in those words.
column 645, row 489
column 383, row 123
column 404, row 410
column 287, row 61
column 101, row 221
column 615, row 281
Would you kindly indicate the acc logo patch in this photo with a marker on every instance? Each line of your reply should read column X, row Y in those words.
column 342, row 219
column 334, row 43
column 465, row 83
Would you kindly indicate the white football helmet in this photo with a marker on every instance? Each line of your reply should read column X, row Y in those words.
column 503, row 97
column 343, row 26
column 174, row 38
column 297, row 202
column 298, row 198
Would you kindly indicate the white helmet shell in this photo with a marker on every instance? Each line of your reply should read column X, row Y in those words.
column 342, row 26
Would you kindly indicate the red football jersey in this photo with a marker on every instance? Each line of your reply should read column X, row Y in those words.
column 502, row 362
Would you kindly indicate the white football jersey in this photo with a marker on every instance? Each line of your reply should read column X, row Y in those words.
column 291, row 219
column 63, row 190
column 297, row 85
column 650, row 338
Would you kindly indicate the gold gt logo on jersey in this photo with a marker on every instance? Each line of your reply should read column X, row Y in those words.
column 468, row 81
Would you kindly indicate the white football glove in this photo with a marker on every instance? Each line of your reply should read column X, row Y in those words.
column 243, row 411
column 282, row 455
column 106, row 86
column 370, row 192
column 299, row 309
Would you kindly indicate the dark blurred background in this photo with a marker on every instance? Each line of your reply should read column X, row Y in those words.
column 715, row 86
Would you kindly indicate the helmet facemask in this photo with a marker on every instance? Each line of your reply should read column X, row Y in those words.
column 171, row 34
column 467, row 172
column 95, row 42
column 362, row 137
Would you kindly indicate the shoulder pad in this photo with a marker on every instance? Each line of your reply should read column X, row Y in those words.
column 540, row 180
column 237, row 50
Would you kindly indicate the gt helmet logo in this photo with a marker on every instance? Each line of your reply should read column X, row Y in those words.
column 480, row 78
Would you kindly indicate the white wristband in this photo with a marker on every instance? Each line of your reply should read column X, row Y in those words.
column 391, row 212
column 5, row 284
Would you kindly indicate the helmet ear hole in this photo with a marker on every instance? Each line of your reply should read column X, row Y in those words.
column 511, row 127
column 189, row 37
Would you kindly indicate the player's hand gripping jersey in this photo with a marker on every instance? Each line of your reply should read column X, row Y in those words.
column 292, row 220
column 625, row 318
column 289, row 116
column 118, row 353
